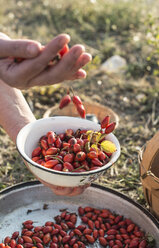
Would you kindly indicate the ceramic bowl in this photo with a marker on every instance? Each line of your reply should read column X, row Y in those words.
column 29, row 136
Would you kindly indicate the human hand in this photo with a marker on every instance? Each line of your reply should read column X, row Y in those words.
column 61, row 190
column 36, row 69
column 65, row 191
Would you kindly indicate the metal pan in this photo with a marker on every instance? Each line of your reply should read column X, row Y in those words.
column 33, row 201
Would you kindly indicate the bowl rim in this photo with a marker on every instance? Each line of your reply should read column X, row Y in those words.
column 87, row 173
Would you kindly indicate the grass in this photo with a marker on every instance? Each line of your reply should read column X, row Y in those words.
column 106, row 28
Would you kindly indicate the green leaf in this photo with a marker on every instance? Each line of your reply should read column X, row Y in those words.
column 108, row 146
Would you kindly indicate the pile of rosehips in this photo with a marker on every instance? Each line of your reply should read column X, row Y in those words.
column 75, row 151
column 91, row 226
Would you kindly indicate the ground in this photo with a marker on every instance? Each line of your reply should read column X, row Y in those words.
column 133, row 95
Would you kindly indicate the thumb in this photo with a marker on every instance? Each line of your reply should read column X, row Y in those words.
column 19, row 48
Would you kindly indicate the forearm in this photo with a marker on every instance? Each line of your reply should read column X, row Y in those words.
column 14, row 110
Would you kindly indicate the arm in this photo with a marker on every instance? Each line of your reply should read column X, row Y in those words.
column 15, row 114
column 14, row 110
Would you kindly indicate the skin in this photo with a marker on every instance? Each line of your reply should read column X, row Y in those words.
column 14, row 110
column 13, row 101
column 35, row 70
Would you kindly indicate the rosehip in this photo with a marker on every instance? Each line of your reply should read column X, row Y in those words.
column 101, row 155
column 51, row 137
column 110, row 128
column 76, row 100
column 51, row 163
column 68, row 157
column 58, row 167
column 67, row 166
column 72, row 141
column 36, row 152
column 105, row 122
column 65, row 101
column 69, row 132
column 80, row 156
column 81, row 110
column 44, row 144
column 64, row 50
column 58, row 142
column 97, row 162
column 92, row 154
column 77, row 148
column 52, row 151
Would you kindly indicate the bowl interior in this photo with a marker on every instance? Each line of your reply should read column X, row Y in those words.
column 28, row 137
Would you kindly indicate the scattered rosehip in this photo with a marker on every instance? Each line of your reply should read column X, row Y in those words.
column 98, row 227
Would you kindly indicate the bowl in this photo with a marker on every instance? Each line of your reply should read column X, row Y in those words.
column 27, row 141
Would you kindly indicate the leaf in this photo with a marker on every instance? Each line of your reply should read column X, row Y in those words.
column 87, row 147
column 108, row 146
column 95, row 137
column 98, row 136
column 95, row 146
column 89, row 134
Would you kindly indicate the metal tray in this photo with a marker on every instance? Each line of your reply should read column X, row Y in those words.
column 33, row 201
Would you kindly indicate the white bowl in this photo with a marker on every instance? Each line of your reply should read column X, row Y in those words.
column 27, row 141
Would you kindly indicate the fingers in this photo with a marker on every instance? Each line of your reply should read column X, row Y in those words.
column 58, row 190
column 29, row 68
column 19, row 48
column 58, row 72
column 67, row 69
column 71, row 63
column 77, row 72
column 38, row 71
column 78, row 190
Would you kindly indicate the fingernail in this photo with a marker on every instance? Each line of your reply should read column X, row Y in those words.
column 81, row 74
column 78, row 51
column 33, row 49
column 64, row 39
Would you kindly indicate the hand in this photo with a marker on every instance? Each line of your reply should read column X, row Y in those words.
column 65, row 191
column 60, row 190
column 36, row 69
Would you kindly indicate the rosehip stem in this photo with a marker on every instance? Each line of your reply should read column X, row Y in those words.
column 72, row 90
column 68, row 90
column 78, row 168
column 102, row 137
column 55, row 158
